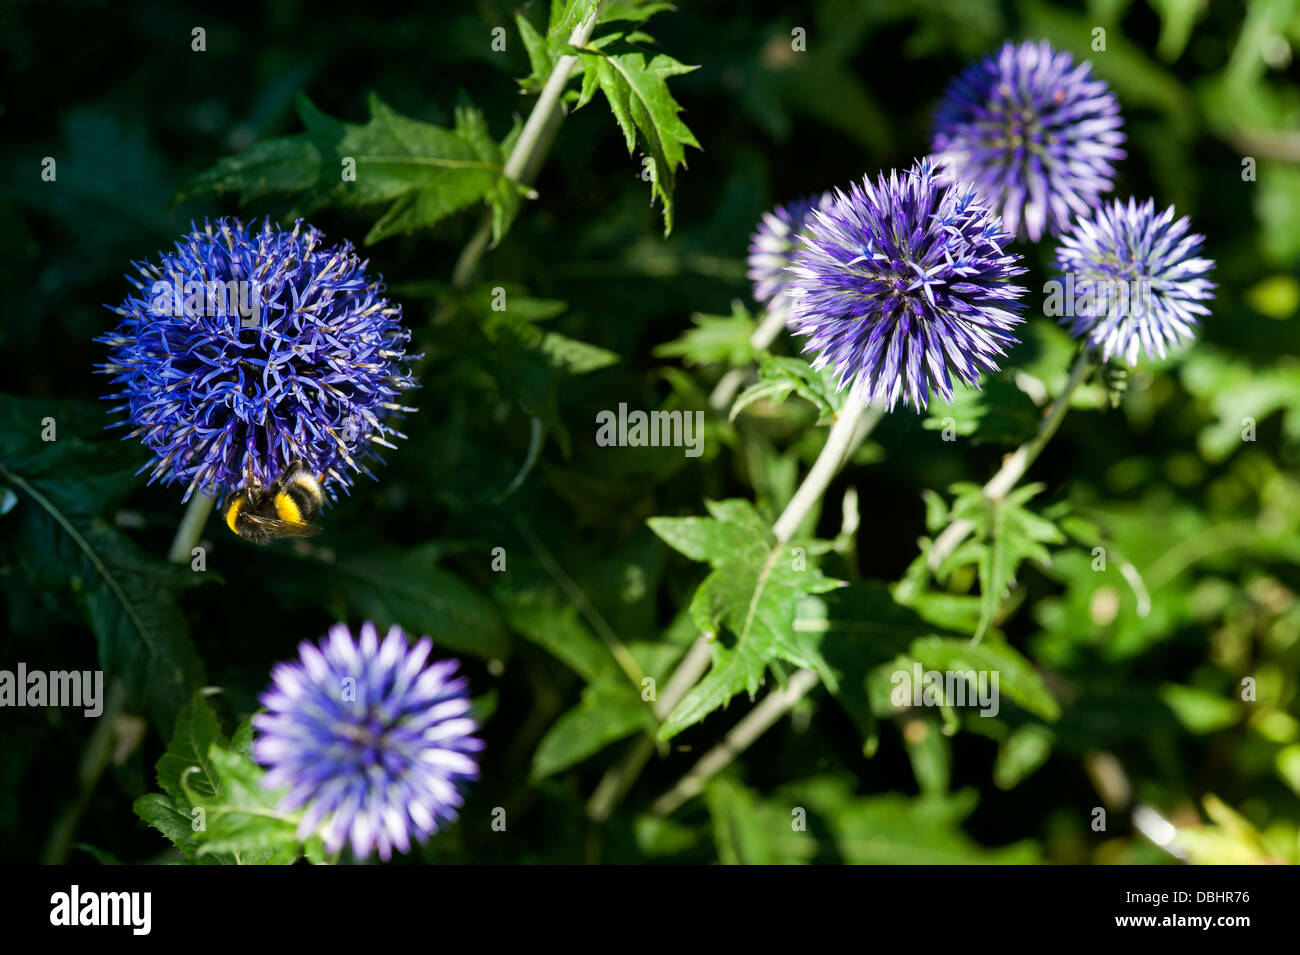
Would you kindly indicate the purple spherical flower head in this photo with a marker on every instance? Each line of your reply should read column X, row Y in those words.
column 1138, row 283
column 246, row 349
column 1034, row 132
column 772, row 247
column 903, row 285
column 374, row 743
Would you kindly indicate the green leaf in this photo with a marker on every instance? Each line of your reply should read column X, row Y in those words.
column 931, row 756
column 896, row 829
column 1234, row 390
column 1176, row 20
column 516, row 324
column 575, row 357
column 539, row 55
column 1021, row 754
column 997, row 412
column 241, row 818
column 540, row 615
column 1006, row 534
column 714, row 339
column 855, row 629
column 780, row 377
column 636, row 88
column 408, row 588
column 187, row 752
column 424, row 172
column 58, row 538
column 1016, row 675
column 822, row 820
column 1200, row 711
column 162, row 813
column 749, row 831
column 752, row 593
column 609, row 711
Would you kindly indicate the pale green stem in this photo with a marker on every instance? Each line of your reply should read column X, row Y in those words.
column 780, row 701
column 1017, row 463
column 525, row 159
column 851, row 428
column 760, row 340
column 191, row 529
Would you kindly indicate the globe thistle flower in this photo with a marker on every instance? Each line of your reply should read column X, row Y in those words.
column 245, row 349
column 1136, row 279
column 772, row 247
column 374, row 743
column 902, row 286
column 1034, row 132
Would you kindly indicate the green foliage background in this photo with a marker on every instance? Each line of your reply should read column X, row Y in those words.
column 1127, row 677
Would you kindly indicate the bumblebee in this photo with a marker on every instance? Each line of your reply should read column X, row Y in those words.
column 285, row 509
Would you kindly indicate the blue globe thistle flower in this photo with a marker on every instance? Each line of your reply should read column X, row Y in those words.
column 1034, row 132
column 1136, row 280
column 246, row 349
column 903, row 285
column 772, row 247
column 374, row 743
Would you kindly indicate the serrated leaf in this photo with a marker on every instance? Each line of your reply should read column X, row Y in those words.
column 751, row 594
column 636, row 88
column 714, row 339
column 242, row 819
column 1006, row 534
column 424, row 171
column 160, row 812
column 59, row 539
column 539, row 54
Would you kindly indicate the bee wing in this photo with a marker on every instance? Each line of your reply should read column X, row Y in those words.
column 283, row 528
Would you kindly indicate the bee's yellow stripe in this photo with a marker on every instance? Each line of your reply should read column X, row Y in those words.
column 287, row 509
column 232, row 512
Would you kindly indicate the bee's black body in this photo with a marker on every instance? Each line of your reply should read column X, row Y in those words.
column 285, row 509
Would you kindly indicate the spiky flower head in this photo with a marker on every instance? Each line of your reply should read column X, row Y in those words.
column 1136, row 279
column 375, row 744
column 772, row 248
column 1033, row 131
column 902, row 286
column 247, row 348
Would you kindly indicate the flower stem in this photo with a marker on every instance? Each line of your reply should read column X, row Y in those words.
column 754, row 725
column 187, row 535
column 763, row 336
column 529, row 152
column 95, row 759
column 780, row 701
column 1017, row 463
column 853, row 425
column 851, row 428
